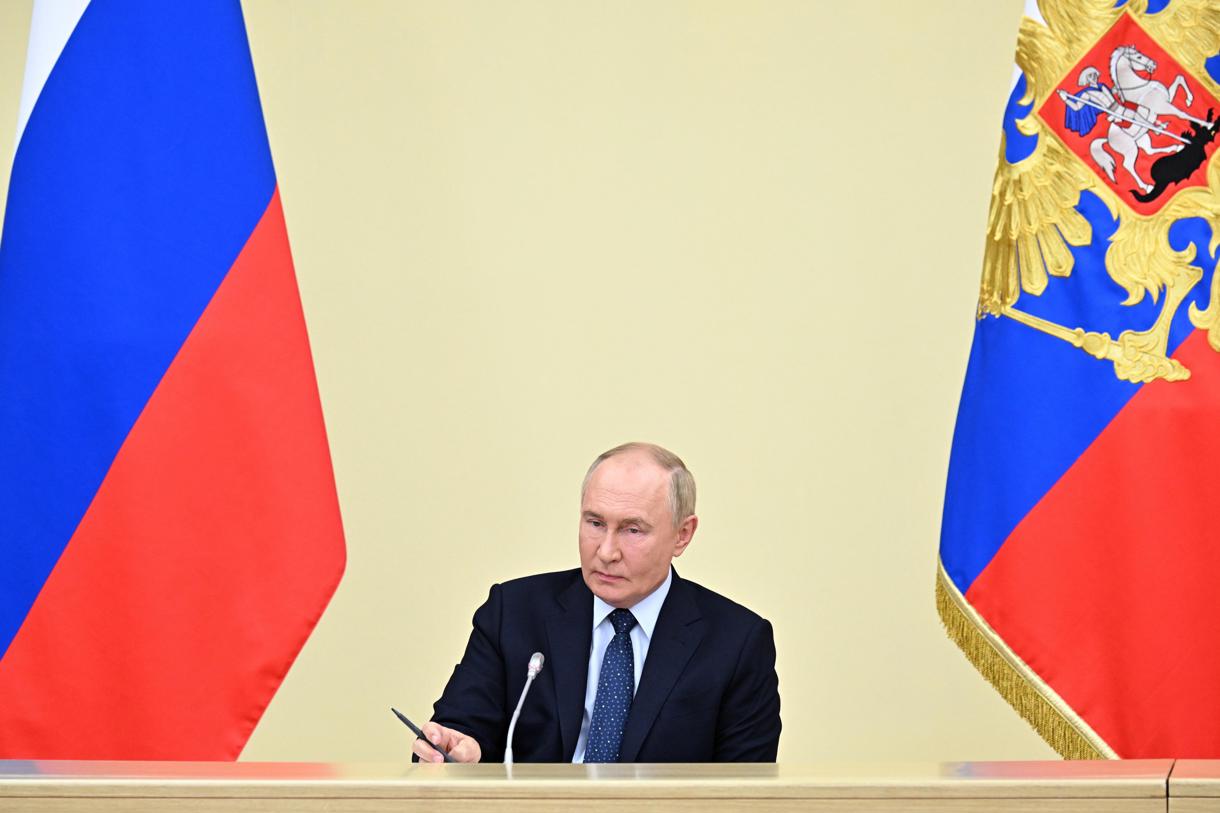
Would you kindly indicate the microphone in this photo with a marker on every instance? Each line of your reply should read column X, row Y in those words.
column 536, row 661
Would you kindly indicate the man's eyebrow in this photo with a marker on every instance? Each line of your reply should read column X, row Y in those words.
column 590, row 515
column 636, row 521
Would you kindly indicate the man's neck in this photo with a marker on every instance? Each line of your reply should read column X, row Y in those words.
column 646, row 610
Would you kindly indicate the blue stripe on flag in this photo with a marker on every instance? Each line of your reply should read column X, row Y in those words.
column 1019, row 377
column 142, row 171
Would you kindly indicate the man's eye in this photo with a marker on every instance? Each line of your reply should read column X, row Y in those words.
column 633, row 530
column 596, row 523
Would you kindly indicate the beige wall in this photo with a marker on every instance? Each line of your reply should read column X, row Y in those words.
column 527, row 231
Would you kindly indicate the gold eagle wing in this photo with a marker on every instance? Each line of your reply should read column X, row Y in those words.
column 1033, row 219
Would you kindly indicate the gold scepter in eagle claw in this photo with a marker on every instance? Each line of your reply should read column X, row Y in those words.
column 1130, row 355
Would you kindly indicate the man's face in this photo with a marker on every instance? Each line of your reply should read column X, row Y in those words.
column 627, row 534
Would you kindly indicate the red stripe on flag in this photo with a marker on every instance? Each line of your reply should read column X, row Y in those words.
column 206, row 557
column 1108, row 587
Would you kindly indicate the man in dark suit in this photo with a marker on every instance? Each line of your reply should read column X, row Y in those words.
column 641, row 665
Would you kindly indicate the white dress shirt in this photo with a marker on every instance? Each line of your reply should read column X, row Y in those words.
column 646, row 613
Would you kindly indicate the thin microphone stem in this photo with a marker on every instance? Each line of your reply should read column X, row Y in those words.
column 508, row 752
column 536, row 661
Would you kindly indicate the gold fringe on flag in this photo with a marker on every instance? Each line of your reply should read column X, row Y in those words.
column 1036, row 702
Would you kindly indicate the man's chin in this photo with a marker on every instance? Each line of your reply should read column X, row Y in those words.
column 609, row 589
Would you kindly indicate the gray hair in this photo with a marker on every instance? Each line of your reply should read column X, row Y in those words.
column 681, row 481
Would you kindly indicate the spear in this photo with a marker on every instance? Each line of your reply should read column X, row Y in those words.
column 1122, row 114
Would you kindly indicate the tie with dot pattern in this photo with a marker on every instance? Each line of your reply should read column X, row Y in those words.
column 615, row 690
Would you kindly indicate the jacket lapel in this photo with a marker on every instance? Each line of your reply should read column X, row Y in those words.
column 570, row 634
column 675, row 638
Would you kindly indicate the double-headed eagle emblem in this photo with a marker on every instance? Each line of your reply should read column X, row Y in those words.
column 1123, row 107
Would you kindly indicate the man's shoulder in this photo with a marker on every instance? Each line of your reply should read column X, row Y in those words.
column 556, row 578
column 546, row 587
column 717, row 607
column 532, row 588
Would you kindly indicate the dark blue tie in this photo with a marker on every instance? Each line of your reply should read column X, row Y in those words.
column 615, row 689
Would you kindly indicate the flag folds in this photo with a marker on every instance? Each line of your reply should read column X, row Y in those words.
column 169, row 528
column 1080, row 546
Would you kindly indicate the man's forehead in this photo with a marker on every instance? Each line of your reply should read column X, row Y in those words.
column 621, row 482
column 630, row 469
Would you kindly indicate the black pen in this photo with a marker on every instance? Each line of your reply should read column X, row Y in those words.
column 420, row 734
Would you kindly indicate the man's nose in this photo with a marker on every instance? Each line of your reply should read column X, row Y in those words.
column 608, row 550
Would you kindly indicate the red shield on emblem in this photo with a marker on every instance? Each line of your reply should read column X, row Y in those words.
column 1136, row 117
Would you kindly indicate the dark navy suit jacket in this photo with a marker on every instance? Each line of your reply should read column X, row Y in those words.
column 708, row 691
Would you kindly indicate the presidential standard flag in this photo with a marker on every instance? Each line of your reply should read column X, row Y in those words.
column 169, row 529
column 1080, row 549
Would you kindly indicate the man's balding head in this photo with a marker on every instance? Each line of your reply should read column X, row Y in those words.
column 681, row 482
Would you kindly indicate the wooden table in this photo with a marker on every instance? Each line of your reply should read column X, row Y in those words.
column 1113, row 787
column 1194, row 786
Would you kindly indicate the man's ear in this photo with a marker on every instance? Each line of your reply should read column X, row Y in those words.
column 686, row 531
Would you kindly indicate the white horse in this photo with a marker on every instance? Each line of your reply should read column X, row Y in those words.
column 1141, row 101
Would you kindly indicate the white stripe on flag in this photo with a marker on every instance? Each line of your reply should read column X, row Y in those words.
column 52, row 22
column 1033, row 12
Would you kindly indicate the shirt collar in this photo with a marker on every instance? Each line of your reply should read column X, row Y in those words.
column 646, row 611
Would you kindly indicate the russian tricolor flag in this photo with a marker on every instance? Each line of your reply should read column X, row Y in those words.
column 169, row 528
column 1080, row 548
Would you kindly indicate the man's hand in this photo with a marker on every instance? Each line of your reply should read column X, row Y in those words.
column 461, row 747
